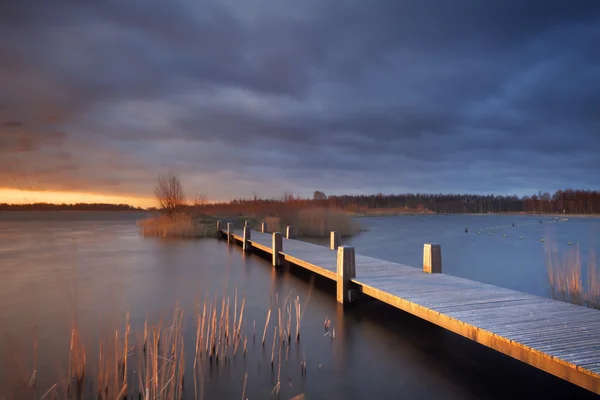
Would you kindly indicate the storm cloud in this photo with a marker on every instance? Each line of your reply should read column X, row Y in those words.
column 267, row 96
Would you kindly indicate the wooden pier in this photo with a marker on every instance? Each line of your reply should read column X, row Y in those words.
column 559, row 338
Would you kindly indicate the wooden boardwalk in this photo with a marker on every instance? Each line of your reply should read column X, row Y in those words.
column 557, row 337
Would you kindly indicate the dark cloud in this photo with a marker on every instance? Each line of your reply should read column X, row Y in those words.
column 266, row 96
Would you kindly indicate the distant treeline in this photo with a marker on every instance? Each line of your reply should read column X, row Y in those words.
column 68, row 207
column 563, row 201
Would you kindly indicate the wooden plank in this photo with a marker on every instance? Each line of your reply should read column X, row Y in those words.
column 516, row 350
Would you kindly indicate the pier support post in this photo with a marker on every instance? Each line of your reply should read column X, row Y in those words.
column 219, row 228
column 432, row 258
column 277, row 247
column 245, row 223
column 246, row 246
column 263, row 227
column 289, row 232
column 229, row 232
column 334, row 240
column 346, row 270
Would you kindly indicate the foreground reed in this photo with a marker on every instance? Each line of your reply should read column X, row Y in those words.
column 566, row 277
column 151, row 364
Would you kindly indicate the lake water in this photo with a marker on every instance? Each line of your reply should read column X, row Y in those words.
column 58, row 269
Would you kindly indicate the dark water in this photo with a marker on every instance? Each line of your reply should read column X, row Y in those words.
column 93, row 268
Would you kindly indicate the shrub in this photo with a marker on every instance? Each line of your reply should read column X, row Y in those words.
column 177, row 225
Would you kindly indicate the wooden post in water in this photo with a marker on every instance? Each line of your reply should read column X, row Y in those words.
column 229, row 232
column 432, row 258
column 334, row 240
column 219, row 228
column 346, row 270
column 263, row 227
column 289, row 232
column 246, row 223
column 277, row 247
column 246, row 246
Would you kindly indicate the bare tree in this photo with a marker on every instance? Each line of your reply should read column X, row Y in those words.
column 169, row 193
column 200, row 200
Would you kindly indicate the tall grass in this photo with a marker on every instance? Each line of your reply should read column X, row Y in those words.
column 568, row 280
column 152, row 365
column 315, row 222
column 177, row 225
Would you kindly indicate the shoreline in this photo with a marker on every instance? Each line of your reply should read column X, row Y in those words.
column 517, row 214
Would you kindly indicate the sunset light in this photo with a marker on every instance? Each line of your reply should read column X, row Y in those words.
column 15, row 196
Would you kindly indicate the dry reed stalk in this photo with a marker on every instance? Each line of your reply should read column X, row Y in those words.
column 237, row 330
column 289, row 323
column 203, row 322
column 31, row 383
column 273, row 349
column 208, row 327
column 244, row 390
column 266, row 325
column 126, row 349
column 199, row 329
column 279, row 370
column 280, row 327
column 220, row 331
column 227, row 336
column 181, row 363
column 52, row 389
column 116, row 377
column 146, row 331
column 297, row 303
column 165, row 369
column 70, row 367
column 156, row 338
column 141, row 374
column 235, row 315
column 122, row 392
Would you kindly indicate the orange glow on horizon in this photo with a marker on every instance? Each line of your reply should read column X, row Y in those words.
column 15, row 196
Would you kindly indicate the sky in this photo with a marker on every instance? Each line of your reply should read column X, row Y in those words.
column 98, row 97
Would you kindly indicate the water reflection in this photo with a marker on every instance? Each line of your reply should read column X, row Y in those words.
column 51, row 278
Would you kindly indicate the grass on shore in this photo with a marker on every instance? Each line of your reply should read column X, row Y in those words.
column 178, row 225
column 566, row 277
column 310, row 222
column 314, row 222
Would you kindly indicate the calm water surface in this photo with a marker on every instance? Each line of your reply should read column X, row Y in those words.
column 496, row 256
column 57, row 269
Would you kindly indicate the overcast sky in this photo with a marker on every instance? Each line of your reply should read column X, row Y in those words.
column 267, row 96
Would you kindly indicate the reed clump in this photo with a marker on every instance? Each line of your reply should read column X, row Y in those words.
column 569, row 280
column 315, row 222
column 177, row 225
column 150, row 364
